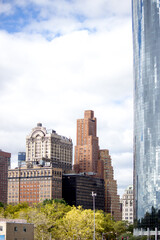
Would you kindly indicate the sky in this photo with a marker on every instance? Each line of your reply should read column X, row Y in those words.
column 59, row 58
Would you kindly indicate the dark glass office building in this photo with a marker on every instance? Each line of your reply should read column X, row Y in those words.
column 146, row 45
column 77, row 190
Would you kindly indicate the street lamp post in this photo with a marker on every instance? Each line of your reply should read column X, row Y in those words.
column 103, row 234
column 94, row 195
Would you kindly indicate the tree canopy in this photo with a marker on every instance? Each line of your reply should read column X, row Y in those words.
column 54, row 219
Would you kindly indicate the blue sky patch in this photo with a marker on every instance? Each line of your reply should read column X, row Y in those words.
column 20, row 18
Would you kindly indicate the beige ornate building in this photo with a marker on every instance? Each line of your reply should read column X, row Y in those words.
column 112, row 200
column 47, row 156
column 47, row 144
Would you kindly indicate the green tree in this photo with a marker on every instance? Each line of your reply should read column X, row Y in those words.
column 12, row 211
column 1, row 205
column 45, row 217
column 120, row 227
column 79, row 223
column 54, row 218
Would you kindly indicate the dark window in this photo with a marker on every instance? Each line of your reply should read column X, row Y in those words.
column 24, row 229
column 15, row 229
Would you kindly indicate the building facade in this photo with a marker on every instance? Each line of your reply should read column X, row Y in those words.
column 34, row 184
column 77, row 191
column 146, row 45
column 4, row 165
column 97, row 163
column 47, row 156
column 127, row 205
column 47, row 144
column 16, row 229
column 112, row 199
column 86, row 149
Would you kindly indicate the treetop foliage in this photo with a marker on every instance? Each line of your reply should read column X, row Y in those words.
column 54, row 219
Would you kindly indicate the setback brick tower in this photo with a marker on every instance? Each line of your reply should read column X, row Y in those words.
column 86, row 149
column 112, row 200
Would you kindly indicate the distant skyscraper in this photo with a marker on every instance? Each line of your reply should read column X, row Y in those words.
column 86, row 149
column 4, row 164
column 21, row 158
column 127, row 204
column 146, row 43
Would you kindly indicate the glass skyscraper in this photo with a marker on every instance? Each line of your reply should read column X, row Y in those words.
column 146, row 45
column 21, row 159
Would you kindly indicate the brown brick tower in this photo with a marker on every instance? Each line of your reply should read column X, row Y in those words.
column 4, row 164
column 88, row 158
column 87, row 149
column 112, row 200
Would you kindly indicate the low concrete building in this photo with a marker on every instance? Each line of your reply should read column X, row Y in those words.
column 16, row 229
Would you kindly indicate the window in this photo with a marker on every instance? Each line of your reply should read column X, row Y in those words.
column 1, row 228
column 15, row 229
column 24, row 229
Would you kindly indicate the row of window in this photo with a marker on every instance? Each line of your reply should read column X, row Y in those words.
column 27, row 173
column 15, row 229
column 126, row 214
column 128, row 218
column 128, row 209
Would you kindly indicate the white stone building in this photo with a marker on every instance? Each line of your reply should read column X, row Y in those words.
column 127, row 204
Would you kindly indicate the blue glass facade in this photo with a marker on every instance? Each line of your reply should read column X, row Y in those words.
column 146, row 45
column 21, row 158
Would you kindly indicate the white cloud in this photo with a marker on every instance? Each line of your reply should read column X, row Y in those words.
column 88, row 8
column 124, row 178
column 102, row 8
column 5, row 8
column 61, row 17
column 53, row 82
